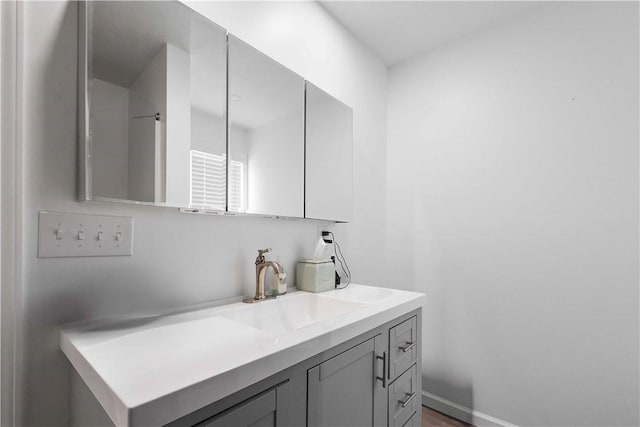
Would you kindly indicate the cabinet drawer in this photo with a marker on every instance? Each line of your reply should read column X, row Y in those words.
column 265, row 409
column 403, row 346
column 404, row 401
column 414, row 421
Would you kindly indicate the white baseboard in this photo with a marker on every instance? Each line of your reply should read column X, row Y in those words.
column 462, row 413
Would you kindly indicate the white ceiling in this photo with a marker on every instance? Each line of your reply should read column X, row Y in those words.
column 399, row 30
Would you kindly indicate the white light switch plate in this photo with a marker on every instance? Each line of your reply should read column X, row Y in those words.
column 80, row 235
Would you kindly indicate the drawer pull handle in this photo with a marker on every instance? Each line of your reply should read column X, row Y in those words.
column 409, row 346
column 407, row 400
column 384, row 369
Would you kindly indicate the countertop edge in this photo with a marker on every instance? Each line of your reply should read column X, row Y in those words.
column 117, row 411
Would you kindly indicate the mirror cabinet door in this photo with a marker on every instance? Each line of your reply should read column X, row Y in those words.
column 266, row 134
column 156, row 98
column 329, row 157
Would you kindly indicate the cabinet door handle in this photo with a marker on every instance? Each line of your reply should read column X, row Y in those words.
column 409, row 346
column 384, row 369
column 407, row 400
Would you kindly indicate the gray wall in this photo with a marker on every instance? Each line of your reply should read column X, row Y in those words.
column 178, row 259
column 513, row 202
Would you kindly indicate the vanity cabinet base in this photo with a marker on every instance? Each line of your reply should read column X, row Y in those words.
column 366, row 381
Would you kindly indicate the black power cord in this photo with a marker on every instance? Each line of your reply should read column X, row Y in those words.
column 339, row 254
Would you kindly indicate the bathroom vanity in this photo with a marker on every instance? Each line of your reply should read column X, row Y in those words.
column 343, row 357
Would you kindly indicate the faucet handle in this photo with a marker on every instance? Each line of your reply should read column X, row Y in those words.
column 260, row 257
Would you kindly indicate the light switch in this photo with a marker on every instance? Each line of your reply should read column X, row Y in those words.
column 65, row 235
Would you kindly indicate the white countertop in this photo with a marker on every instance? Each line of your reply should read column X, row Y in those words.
column 153, row 370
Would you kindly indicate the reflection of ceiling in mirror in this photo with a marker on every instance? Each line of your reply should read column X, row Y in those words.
column 260, row 89
column 127, row 35
column 208, row 66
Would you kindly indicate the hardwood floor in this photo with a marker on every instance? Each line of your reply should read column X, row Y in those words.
column 431, row 418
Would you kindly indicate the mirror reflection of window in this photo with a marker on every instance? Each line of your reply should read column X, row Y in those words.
column 207, row 188
column 237, row 187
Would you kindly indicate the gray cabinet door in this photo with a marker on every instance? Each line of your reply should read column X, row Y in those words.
column 343, row 391
column 264, row 410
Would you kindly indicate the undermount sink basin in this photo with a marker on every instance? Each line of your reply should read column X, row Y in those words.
column 286, row 314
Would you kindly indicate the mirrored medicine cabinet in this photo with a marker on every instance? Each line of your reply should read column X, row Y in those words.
column 176, row 112
column 329, row 157
column 155, row 99
column 266, row 134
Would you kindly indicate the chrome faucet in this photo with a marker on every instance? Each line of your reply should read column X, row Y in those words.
column 261, row 269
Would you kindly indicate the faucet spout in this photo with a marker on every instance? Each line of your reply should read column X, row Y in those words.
column 261, row 270
column 262, row 266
